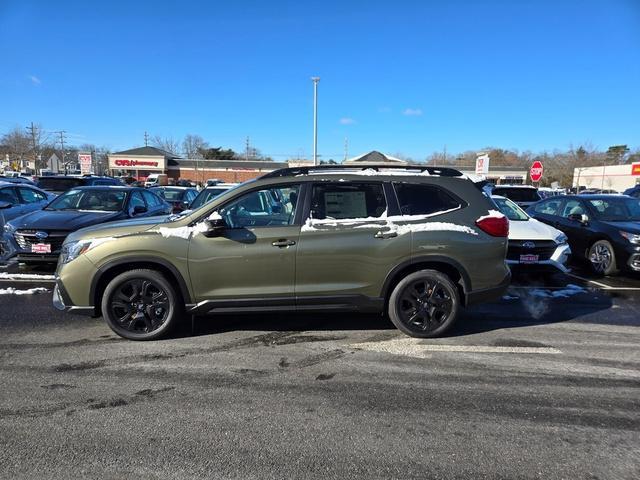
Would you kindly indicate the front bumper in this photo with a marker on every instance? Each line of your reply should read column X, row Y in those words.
column 62, row 302
column 558, row 261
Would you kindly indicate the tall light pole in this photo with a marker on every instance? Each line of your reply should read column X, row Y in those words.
column 315, row 119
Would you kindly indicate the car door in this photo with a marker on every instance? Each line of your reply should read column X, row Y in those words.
column 136, row 200
column 31, row 199
column 578, row 233
column 253, row 261
column 10, row 195
column 346, row 248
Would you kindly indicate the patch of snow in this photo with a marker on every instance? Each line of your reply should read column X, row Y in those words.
column 215, row 216
column 28, row 276
column 30, row 291
column 510, row 297
column 183, row 232
column 492, row 214
column 566, row 292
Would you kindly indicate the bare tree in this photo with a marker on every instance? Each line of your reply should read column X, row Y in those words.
column 167, row 143
column 192, row 146
column 17, row 144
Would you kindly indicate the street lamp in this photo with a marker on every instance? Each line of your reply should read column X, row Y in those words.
column 315, row 119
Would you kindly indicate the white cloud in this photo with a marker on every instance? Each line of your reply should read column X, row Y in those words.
column 347, row 121
column 415, row 112
column 35, row 80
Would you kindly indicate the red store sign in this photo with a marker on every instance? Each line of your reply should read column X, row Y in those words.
column 121, row 162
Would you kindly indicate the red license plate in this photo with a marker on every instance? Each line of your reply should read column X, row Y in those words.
column 529, row 258
column 41, row 248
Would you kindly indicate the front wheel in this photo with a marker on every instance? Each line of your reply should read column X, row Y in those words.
column 603, row 258
column 424, row 304
column 141, row 305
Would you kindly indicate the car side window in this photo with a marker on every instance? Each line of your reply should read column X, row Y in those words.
column 550, row 207
column 9, row 195
column 345, row 200
column 275, row 206
column 30, row 196
column 418, row 199
column 136, row 200
column 573, row 207
column 151, row 199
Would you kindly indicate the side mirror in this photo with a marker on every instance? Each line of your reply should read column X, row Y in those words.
column 215, row 225
column 579, row 217
column 138, row 209
column 4, row 205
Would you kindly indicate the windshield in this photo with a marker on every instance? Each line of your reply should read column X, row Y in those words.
column 616, row 209
column 518, row 194
column 91, row 200
column 59, row 184
column 511, row 210
column 170, row 195
column 206, row 196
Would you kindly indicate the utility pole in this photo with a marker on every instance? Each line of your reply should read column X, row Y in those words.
column 315, row 119
column 146, row 139
column 246, row 149
column 61, row 133
column 346, row 148
column 33, row 131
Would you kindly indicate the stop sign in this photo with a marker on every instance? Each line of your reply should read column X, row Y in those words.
column 536, row 171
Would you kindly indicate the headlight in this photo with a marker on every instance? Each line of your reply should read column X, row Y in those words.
column 632, row 237
column 72, row 250
column 9, row 228
column 561, row 239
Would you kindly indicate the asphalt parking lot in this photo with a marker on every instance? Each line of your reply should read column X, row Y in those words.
column 542, row 384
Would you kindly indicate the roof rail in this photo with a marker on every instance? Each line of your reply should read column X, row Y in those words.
column 294, row 171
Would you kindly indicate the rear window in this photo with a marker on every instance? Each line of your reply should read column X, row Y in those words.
column 424, row 199
column 169, row 195
column 518, row 194
column 60, row 184
column 360, row 200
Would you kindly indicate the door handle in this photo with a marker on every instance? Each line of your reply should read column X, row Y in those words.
column 389, row 234
column 283, row 242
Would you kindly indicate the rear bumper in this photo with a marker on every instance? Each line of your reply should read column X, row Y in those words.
column 62, row 302
column 557, row 261
column 488, row 294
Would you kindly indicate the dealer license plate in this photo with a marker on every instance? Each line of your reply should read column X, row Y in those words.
column 41, row 248
column 529, row 258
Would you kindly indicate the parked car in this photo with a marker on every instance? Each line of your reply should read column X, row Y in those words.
column 178, row 197
column 19, row 199
column 597, row 191
column 156, row 179
column 523, row 195
column 633, row 191
column 602, row 229
column 21, row 180
column 38, row 236
column 209, row 193
column 532, row 244
column 419, row 247
column 61, row 183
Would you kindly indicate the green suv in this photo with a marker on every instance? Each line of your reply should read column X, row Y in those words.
column 417, row 243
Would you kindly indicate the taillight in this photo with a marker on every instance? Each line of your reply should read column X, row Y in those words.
column 494, row 226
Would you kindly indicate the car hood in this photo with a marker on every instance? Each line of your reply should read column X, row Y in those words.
column 531, row 229
column 117, row 229
column 632, row 227
column 62, row 219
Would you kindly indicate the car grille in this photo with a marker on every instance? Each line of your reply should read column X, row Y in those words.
column 26, row 238
column 543, row 248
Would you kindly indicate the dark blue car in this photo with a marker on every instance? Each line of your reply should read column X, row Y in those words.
column 602, row 229
column 37, row 236
column 633, row 191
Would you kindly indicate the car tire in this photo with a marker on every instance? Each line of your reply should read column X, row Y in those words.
column 602, row 258
column 424, row 304
column 141, row 305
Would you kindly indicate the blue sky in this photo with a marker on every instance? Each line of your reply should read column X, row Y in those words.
column 400, row 77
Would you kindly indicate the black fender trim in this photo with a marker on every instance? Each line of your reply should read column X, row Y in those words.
column 184, row 290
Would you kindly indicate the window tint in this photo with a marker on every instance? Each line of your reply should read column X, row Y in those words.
column 152, row 200
column 549, row 207
column 573, row 207
column 262, row 208
column 97, row 200
column 136, row 200
column 517, row 194
column 30, row 196
column 9, row 195
column 423, row 199
column 59, row 184
column 358, row 200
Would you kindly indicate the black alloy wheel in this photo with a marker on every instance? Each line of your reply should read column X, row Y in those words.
column 424, row 304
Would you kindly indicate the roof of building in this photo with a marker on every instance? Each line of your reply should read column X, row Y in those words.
column 375, row 157
column 154, row 151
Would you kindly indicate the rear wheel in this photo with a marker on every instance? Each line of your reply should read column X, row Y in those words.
column 603, row 258
column 141, row 305
column 424, row 304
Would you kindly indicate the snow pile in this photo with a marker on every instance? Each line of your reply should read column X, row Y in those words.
column 25, row 276
column 30, row 291
column 492, row 214
column 566, row 292
column 183, row 232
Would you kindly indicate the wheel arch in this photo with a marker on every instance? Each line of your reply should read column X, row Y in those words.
column 111, row 269
column 453, row 269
